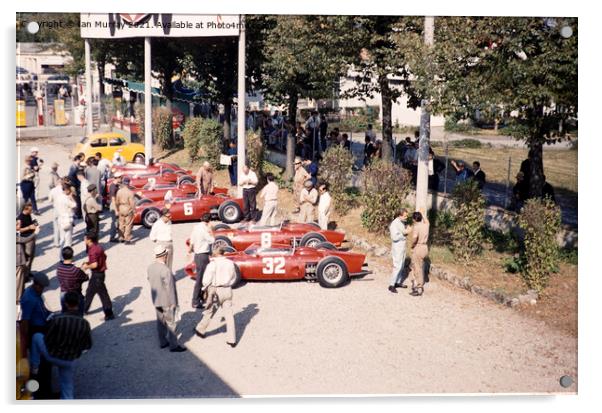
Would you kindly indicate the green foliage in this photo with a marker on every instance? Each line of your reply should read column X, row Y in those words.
column 255, row 153
column 452, row 125
column 139, row 116
column 441, row 223
column 569, row 256
column 503, row 242
column 467, row 230
column 467, row 143
column 336, row 170
column 162, row 128
column 192, row 137
column 540, row 221
column 513, row 265
column 203, row 140
column 385, row 188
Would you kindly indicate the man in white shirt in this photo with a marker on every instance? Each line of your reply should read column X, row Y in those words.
column 160, row 234
column 53, row 197
column 248, row 180
column 219, row 277
column 269, row 194
column 200, row 244
column 324, row 206
column 83, row 188
column 65, row 204
column 398, row 231
column 309, row 198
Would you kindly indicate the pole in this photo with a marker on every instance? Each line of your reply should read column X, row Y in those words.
column 242, row 137
column 148, row 103
column 89, row 126
column 425, row 132
column 507, row 182
column 446, row 163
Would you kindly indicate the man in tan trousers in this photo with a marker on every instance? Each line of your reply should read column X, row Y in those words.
column 125, row 204
column 301, row 175
column 308, row 200
column 218, row 279
column 418, row 241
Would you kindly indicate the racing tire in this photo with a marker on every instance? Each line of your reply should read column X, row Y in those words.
column 311, row 239
column 143, row 201
column 326, row 246
column 219, row 226
column 138, row 155
column 221, row 241
column 229, row 212
column 150, row 216
column 332, row 272
column 229, row 249
column 185, row 179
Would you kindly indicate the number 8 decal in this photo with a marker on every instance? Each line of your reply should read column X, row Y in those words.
column 273, row 265
column 188, row 208
column 266, row 240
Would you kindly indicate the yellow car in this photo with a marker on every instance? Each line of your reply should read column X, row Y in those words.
column 107, row 144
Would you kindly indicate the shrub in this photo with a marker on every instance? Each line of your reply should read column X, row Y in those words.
column 255, row 153
column 513, row 265
column 467, row 230
column 192, row 137
column 467, row 143
column 441, row 223
column 335, row 168
column 502, row 241
column 385, row 187
column 211, row 145
column 540, row 221
column 162, row 128
column 452, row 125
column 139, row 116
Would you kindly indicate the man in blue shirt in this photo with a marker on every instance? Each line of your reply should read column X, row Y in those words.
column 462, row 173
column 312, row 169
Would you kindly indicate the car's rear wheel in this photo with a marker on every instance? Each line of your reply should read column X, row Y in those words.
column 326, row 246
column 185, row 179
column 222, row 241
column 217, row 227
column 332, row 272
column 229, row 212
column 150, row 216
column 311, row 239
column 139, row 155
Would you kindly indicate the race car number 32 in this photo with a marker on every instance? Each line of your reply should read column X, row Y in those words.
column 273, row 265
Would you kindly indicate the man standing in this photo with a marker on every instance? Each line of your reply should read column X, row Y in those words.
column 93, row 173
column 323, row 131
column 204, row 179
column 301, row 175
column 312, row 170
column 27, row 185
column 479, row 175
column 104, row 168
column 27, row 228
column 97, row 264
column 33, row 309
column 324, row 206
column 219, row 277
column 70, row 278
column 398, row 231
column 83, row 188
column 53, row 197
column 308, row 200
column 125, row 203
column 269, row 193
column 368, row 151
column 113, row 188
column 165, row 300
column 65, row 203
column 233, row 167
column 200, row 244
column 91, row 209
column 35, row 164
column 75, row 183
column 462, row 173
column 160, row 234
column 22, row 260
column 67, row 338
column 55, row 179
column 248, row 180
column 419, row 240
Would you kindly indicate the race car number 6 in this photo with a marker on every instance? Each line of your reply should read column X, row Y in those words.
column 188, row 208
column 273, row 265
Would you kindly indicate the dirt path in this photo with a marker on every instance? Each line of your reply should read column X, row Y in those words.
column 299, row 338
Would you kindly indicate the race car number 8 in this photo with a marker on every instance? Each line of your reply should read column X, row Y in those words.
column 266, row 240
column 273, row 265
column 188, row 208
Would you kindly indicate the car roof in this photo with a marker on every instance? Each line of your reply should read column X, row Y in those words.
column 106, row 135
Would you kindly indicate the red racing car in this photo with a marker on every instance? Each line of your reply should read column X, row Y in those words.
column 220, row 206
column 331, row 268
column 154, row 168
column 287, row 233
column 165, row 192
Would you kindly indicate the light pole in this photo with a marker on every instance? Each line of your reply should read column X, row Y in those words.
column 242, row 136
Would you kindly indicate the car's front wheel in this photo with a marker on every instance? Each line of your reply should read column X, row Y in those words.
column 229, row 212
column 185, row 179
column 332, row 272
column 222, row 242
column 150, row 216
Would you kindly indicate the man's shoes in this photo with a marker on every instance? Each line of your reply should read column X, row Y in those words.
column 164, row 345
column 110, row 316
column 198, row 333
column 130, row 242
column 401, row 286
column 231, row 344
column 392, row 289
column 416, row 292
column 178, row 349
column 197, row 306
column 114, row 240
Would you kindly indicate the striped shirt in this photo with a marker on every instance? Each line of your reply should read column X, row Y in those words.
column 67, row 336
column 70, row 277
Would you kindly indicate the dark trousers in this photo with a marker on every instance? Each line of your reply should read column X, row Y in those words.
column 249, row 203
column 166, row 327
column 114, row 225
column 78, row 205
column 29, row 193
column 96, row 285
column 92, row 223
column 232, row 171
column 201, row 261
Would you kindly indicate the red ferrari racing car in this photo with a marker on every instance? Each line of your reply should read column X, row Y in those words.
column 331, row 268
column 220, row 206
column 154, row 168
column 166, row 192
column 287, row 233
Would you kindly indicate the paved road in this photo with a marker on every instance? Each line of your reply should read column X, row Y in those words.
column 299, row 338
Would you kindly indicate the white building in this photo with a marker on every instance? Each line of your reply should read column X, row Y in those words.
column 42, row 59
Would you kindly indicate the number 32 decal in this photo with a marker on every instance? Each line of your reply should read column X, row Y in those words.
column 273, row 265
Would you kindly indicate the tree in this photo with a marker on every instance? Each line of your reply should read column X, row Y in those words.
column 527, row 66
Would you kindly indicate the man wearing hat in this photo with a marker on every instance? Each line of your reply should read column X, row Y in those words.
column 165, row 299
column 301, row 175
column 113, row 188
column 92, row 208
column 55, row 179
column 308, row 200
column 125, row 204
column 161, row 235
column 35, row 163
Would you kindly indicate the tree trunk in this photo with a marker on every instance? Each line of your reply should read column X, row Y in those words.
column 291, row 142
column 227, row 125
column 387, row 127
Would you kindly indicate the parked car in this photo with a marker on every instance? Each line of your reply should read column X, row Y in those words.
column 107, row 144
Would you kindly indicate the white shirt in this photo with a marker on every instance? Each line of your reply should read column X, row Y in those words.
column 220, row 272
column 103, row 165
column 248, row 181
column 397, row 230
column 270, row 192
column 324, row 204
column 161, row 231
column 64, row 206
column 201, row 239
column 53, row 197
column 83, row 189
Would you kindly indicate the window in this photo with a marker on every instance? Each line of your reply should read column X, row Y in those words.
column 98, row 143
column 116, row 141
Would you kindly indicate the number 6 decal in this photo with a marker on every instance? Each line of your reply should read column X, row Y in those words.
column 273, row 265
column 188, row 208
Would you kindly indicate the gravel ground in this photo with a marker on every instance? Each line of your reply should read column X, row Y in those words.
column 299, row 338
